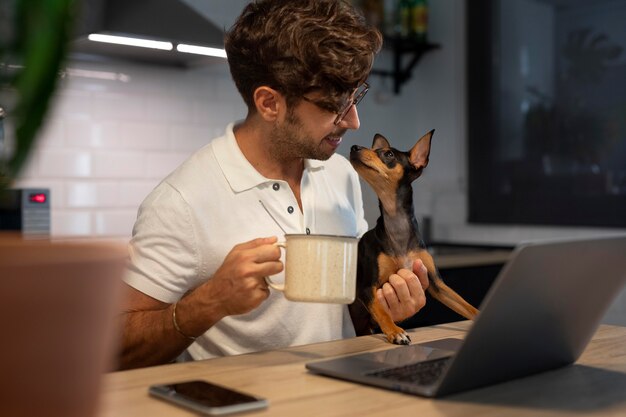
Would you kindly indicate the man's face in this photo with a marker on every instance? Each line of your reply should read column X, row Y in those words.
column 309, row 132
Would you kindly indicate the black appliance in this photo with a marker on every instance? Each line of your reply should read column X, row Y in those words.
column 26, row 210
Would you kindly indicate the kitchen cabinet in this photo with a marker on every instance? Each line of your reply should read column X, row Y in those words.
column 468, row 269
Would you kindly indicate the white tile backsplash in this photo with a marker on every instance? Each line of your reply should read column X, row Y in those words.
column 65, row 163
column 69, row 223
column 86, row 133
column 171, row 109
column 71, row 102
column 160, row 165
column 148, row 135
column 91, row 194
column 132, row 193
column 113, row 222
column 115, row 130
column 119, row 164
column 189, row 138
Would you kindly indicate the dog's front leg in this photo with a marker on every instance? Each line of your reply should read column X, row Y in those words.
column 394, row 333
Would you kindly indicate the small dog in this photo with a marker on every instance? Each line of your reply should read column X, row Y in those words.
column 395, row 242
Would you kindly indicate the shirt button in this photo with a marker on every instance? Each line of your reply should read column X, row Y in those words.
column 276, row 186
column 290, row 209
column 308, row 232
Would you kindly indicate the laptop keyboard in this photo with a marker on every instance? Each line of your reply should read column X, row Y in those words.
column 422, row 373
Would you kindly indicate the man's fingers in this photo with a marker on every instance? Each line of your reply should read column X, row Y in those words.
column 403, row 294
column 399, row 283
column 414, row 285
column 257, row 242
column 410, row 281
column 391, row 297
column 256, row 251
column 265, row 253
column 269, row 268
column 422, row 273
column 382, row 300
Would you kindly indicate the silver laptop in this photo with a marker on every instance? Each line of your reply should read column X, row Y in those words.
column 540, row 313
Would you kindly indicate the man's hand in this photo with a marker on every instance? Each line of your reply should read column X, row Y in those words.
column 403, row 295
column 239, row 283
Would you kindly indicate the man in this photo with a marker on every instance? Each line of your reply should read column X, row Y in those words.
column 300, row 66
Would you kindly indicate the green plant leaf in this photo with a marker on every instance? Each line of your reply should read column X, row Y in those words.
column 38, row 47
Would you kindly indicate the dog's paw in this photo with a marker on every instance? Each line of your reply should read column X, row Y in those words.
column 400, row 338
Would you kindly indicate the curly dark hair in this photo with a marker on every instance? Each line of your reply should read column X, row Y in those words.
column 297, row 46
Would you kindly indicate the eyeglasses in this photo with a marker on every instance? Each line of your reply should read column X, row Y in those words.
column 356, row 98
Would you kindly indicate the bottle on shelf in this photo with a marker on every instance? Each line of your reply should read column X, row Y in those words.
column 413, row 16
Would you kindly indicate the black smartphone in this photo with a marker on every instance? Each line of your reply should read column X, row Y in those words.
column 207, row 398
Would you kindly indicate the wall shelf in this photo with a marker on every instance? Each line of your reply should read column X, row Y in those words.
column 401, row 46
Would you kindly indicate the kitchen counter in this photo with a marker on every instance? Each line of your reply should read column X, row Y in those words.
column 470, row 258
column 468, row 269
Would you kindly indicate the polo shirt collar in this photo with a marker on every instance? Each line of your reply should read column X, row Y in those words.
column 238, row 171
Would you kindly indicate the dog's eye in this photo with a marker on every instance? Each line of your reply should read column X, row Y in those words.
column 389, row 154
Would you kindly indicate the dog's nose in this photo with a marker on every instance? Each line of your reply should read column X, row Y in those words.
column 355, row 148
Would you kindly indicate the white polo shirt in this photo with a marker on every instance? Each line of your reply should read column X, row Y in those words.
column 195, row 216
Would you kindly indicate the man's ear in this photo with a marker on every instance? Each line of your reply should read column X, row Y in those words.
column 268, row 102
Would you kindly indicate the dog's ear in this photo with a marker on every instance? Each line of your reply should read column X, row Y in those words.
column 380, row 142
column 421, row 150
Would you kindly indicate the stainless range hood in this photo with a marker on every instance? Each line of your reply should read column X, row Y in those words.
column 171, row 21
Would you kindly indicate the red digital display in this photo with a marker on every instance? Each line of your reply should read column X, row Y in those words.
column 37, row 198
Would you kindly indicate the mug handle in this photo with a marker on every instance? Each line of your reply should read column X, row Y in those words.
column 268, row 281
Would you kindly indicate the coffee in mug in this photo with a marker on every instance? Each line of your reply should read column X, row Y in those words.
column 319, row 268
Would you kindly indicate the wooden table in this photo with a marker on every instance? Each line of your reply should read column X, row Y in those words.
column 472, row 259
column 594, row 386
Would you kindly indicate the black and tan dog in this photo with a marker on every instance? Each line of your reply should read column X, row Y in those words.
column 395, row 242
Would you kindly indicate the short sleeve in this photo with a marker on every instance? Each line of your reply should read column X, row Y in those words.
column 164, row 258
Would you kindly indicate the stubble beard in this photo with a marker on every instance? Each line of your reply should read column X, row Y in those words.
column 290, row 141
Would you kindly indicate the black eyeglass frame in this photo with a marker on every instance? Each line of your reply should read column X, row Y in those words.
column 358, row 95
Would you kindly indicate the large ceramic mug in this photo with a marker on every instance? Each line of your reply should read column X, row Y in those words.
column 319, row 268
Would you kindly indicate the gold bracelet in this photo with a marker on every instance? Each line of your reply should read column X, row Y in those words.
column 176, row 324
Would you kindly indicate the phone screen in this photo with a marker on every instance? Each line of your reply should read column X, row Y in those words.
column 210, row 395
column 207, row 398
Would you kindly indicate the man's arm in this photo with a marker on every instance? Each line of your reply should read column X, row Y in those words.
column 146, row 323
column 149, row 336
